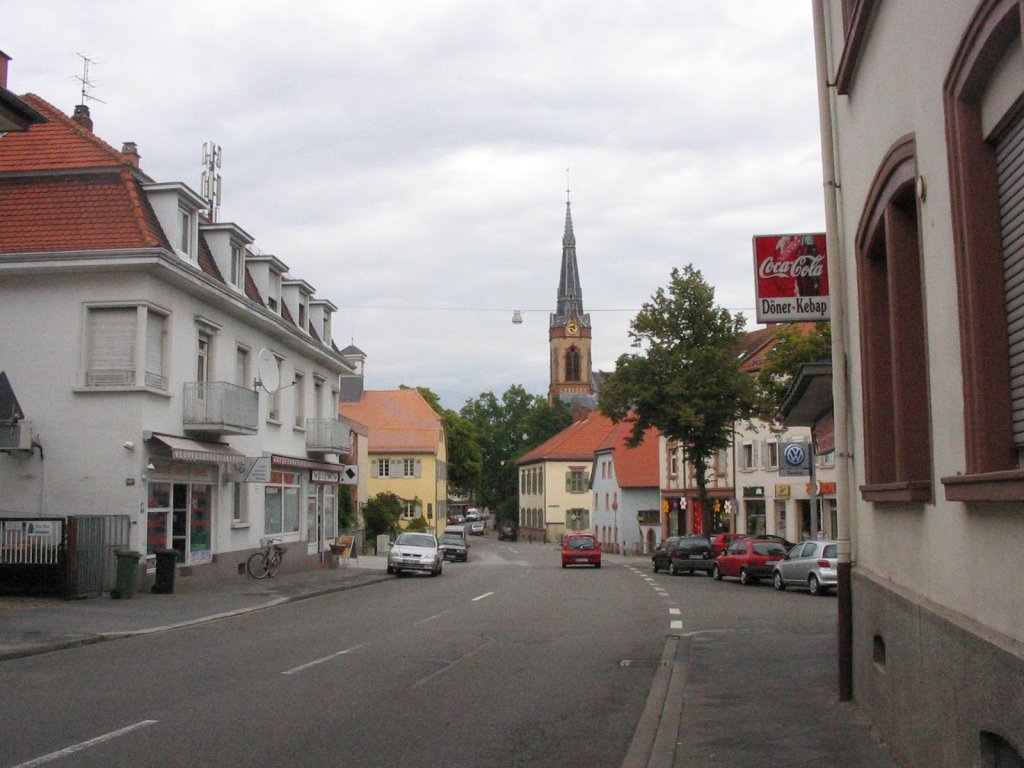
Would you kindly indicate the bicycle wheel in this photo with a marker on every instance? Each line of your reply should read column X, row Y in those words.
column 257, row 565
column 273, row 563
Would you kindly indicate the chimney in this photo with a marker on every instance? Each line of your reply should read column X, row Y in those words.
column 81, row 116
column 130, row 151
column 4, row 58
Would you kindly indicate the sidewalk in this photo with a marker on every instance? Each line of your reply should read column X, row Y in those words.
column 31, row 625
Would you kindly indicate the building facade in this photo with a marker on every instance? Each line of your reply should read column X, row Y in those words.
column 626, row 496
column 169, row 374
column 554, row 480
column 407, row 450
column 921, row 135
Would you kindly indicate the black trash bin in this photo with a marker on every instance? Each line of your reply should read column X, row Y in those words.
column 165, row 567
column 127, row 574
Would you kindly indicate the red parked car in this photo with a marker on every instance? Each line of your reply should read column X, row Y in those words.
column 720, row 542
column 749, row 560
column 581, row 549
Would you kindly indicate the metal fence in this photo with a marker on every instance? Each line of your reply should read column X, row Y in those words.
column 71, row 556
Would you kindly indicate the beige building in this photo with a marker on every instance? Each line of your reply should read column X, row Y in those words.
column 923, row 138
column 407, row 452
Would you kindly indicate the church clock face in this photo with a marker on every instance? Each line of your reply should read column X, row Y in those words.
column 572, row 328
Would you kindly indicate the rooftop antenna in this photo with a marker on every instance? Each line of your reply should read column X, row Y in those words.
column 210, row 181
column 87, row 83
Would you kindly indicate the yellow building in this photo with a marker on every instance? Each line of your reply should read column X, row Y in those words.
column 407, row 451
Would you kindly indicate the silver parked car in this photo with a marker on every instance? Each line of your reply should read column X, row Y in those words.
column 415, row 552
column 810, row 564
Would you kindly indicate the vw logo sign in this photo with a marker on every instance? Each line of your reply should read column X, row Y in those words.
column 794, row 454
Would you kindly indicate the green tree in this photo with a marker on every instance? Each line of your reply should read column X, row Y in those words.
column 687, row 382
column 381, row 514
column 795, row 345
column 506, row 428
column 465, row 459
column 346, row 508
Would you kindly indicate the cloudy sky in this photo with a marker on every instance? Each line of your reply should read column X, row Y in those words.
column 408, row 159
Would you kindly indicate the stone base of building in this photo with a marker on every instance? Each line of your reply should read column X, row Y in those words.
column 942, row 690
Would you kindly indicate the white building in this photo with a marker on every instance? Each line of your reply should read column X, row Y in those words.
column 922, row 134
column 626, row 508
column 133, row 329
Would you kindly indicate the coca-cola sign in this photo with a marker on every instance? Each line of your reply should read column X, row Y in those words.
column 791, row 278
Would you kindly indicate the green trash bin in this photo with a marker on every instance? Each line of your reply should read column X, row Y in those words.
column 127, row 574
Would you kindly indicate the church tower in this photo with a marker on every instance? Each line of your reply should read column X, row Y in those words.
column 569, row 331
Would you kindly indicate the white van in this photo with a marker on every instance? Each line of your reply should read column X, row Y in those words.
column 460, row 531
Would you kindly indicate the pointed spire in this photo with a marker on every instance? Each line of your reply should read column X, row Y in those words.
column 570, row 294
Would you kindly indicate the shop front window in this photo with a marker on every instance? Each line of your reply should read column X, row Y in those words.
column 281, row 504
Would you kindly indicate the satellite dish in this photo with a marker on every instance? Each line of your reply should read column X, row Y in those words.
column 268, row 371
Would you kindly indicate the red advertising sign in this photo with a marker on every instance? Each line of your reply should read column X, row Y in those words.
column 791, row 278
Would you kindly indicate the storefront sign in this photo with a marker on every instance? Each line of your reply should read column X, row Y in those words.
column 791, row 278
column 796, row 459
column 349, row 474
column 321, row 477
column 781, row 491
column 257, row 470
column 756, row 491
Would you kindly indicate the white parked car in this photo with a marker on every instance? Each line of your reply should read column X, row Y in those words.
column 414, row 551
column 810, row 564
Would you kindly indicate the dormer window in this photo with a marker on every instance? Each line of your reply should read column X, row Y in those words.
column 237, row 275
column 302, row 315
column 185, row 231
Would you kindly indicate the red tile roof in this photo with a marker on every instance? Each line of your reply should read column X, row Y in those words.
column 634, row 467
column 399, row 421
column 76, row 212
column 58, row 145
column 577, row 442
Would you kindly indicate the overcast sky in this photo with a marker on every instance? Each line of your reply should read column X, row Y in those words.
column 408, row 159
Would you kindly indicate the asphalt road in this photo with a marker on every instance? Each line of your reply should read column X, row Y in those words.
column 507, row 660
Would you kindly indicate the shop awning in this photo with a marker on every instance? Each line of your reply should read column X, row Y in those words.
column 293, row 463
column 184, row 449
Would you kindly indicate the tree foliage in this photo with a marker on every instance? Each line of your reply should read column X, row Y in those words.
column 687, row 381
column 505, row 429
column 795, row 345
column 381, row 514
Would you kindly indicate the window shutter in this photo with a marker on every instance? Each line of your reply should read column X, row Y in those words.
column 155, row 351
column 111, row 340
column 1010, row 169
column 375, row 468
column 419, row 468
column 395, row 468
column 568, row 482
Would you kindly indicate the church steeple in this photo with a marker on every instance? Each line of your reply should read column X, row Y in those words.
column 569, row 329
column 570, row 294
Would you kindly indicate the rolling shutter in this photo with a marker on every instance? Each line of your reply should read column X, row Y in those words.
column 111, row 347
column 1010, row 167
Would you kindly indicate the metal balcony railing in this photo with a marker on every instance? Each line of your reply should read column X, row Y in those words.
column 221, row 408
column 328, row 435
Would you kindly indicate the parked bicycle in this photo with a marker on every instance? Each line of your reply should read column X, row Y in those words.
column 264, row 564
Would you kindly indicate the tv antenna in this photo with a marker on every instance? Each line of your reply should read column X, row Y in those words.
column 210, row 180
column 87, row 83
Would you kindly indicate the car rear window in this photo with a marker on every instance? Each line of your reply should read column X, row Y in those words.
column 580, row 542
column 451, row 538
column 830, row 551
column 768, row 548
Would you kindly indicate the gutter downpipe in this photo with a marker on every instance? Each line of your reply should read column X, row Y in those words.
column 840, row 393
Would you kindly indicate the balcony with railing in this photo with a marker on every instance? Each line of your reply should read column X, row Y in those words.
column 328, row 435
column 220, row 408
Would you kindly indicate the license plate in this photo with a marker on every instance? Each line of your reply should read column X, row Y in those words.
column 582, row 559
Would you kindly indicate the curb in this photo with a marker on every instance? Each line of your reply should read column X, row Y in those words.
column 108, row 636
column 657, row 734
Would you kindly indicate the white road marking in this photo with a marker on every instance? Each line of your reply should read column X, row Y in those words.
column 451, row 665
column 675, row 624
column 85, row 745
column 302, row 667
column 674, row 611
column 430, row 618
column 481, row 597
